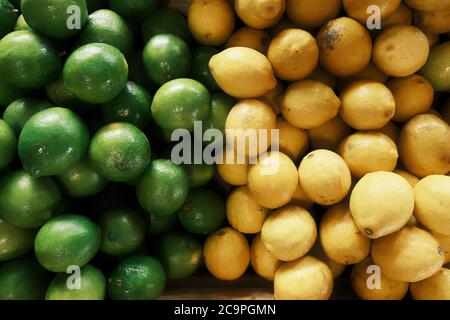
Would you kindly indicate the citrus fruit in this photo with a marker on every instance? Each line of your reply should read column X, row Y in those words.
column 23, row 279
column 203, row 212
column 157, row 224
column 27, row 60
column 180, row 254
column 132, row 9
column 10, row 93
column 263, row 262
column 260, row 14
column 8, row 16
column 92, row 286
column 166, row 20
column 26, row 201
column 179, row 103
column 20, row 111
column 120, row 152
column 82, row 180
column 436, row 70
column 95, row 73
column 52, row 141
column 14, row 241
column 162, row 188
column 251, row 38
column 223, row 246
column 64, row 20
column 166, row 57
column 67, row 240
column 106, row 26
column 137, row 277
column 312, row 14
column 122, row 229
column 132, row 105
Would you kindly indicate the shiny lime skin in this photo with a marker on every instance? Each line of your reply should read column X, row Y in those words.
column 200, row 174
column 166, row 20
column 27, row 60
column 166, row 57
column 21, row 24
column 62, row 97
column 8, row 144
column 26, row 201
column 10, row 93
column 134, row 9
column 437, row 68
column 137, row 277
column 123, row 231
column 220, row 107
column 179, row 103
column 95, row 73
column 82, row 180
column 132, row 105
column 8, row 16
column 120, row 152
column 21, row 110
column 14, row 241
column 58, row 22
column 163, row 187
column 180, row 253
column 200, row 69
column 52, row 141
column 203, row 212
column 157, row 224
column 106, row 26
column 65, row 241
column 92, row 285
column 23, row 279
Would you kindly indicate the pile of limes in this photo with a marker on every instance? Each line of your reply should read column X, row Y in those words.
column 94, row 205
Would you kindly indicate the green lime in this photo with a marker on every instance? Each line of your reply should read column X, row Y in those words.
column 21, row 24
column 14, row 241
column 9, row 93
column 8, row 16
column 23, row 279
column 57, row 19
column 179, row 103
column 67, row 240
column 163, row 187
column 132, row 105
column 199, row 174
column 106, row 26
column 166, row 57
column 8, row 144
column 94, row 5
column 220, row 107
column 120, row 152
column 95, row 73
column 134, row 9
column 157, row 224
column 21, row 110
column 200, row 69
column 27, row 60
column 52, row 141
column 166, row 20
column 82, row 180
column 180, row 253
column 123, row 231
column 92, row 285
column 137, row 277
column 26, row 201
column 62, row 97
column 203, row 212
column 437, row 68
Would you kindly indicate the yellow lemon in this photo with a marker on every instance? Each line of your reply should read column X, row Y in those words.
column 359, row 9
column 317, row 252
column 312, row 14
column 289, row 232
column 263, row 262
column 211, row 21
column 232, row 168
column 436, row 287
column 292, row 141
column 381, row 203
column 250, row 38
column 330, row 134
column 300, row 199
column 242, row 72
column 260, row 14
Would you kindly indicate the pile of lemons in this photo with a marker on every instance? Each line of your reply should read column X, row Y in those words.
column 363, row 154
